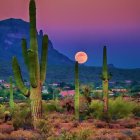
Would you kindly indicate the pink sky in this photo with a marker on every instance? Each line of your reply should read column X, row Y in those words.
column 70, row 22
column 76, row 14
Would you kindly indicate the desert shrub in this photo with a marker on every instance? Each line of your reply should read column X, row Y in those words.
column 68, row 104
column 96, row 109
column 2, row 110
column 136, row 111
column 48, row 107
column 120, row 108
column 51, row 106
column 21, row 117
column 82, row 134
column 24, row 135
column 84, row 108
column 45, row 128
column 97, row 95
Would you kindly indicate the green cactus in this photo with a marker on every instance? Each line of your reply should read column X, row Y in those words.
column 11, row 100
column 76, row 97
column 105, row 78
column 37, row 70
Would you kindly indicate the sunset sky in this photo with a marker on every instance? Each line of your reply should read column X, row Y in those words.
column 87, row 25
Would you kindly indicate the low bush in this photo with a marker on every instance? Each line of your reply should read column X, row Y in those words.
column 97, row 95
column 120, row 108
column 136, row 111
column 21, row 117
column 24, row 135
column 51, row 106
column 96, row 109
column 45, row 128
column 68, row 104
column 82, row 134
column 2, row 110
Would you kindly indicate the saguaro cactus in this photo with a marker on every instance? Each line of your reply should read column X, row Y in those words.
column 105, row 78
column 76, row 97
column 37, row 69
column 11, row 100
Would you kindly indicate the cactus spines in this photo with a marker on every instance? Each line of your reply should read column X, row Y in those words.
column 76, row 97
column 11, row 100
column 37, row 71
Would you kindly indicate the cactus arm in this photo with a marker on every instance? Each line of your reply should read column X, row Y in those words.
column 24, row 51
column 76, row 97
column 18, row 77
column 31, row 56
column 43, row 65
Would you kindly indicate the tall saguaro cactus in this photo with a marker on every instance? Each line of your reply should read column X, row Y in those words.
column 76, row 97
column 105, row 80
column 37, row 69
column 11, row 100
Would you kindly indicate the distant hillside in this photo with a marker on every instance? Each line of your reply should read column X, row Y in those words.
column 11, row 33
column 60, row 67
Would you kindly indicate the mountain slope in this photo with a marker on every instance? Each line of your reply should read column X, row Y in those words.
column 11, row 33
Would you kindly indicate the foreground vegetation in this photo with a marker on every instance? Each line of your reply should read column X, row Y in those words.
column 58, row 121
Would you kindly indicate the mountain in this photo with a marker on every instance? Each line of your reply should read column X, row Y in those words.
column 60, row 68
column 11, row 33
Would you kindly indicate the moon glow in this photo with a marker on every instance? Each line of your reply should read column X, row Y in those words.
column 81, row 57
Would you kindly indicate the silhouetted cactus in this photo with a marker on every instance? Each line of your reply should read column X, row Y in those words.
column 37, row 70
column 11, row 99
column 76, row 97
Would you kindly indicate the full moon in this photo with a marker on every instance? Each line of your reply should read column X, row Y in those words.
column 81, row 57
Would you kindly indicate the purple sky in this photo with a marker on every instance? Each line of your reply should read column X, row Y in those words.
column 87, row 25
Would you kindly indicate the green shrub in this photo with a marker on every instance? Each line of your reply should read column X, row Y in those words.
column 136, row 111
column 96, row 109
column 97, row 95
column 120, row 108
column 21, row 117
column 78, row 135
column 2, row 110
column 51, row 106
column 45, row 128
